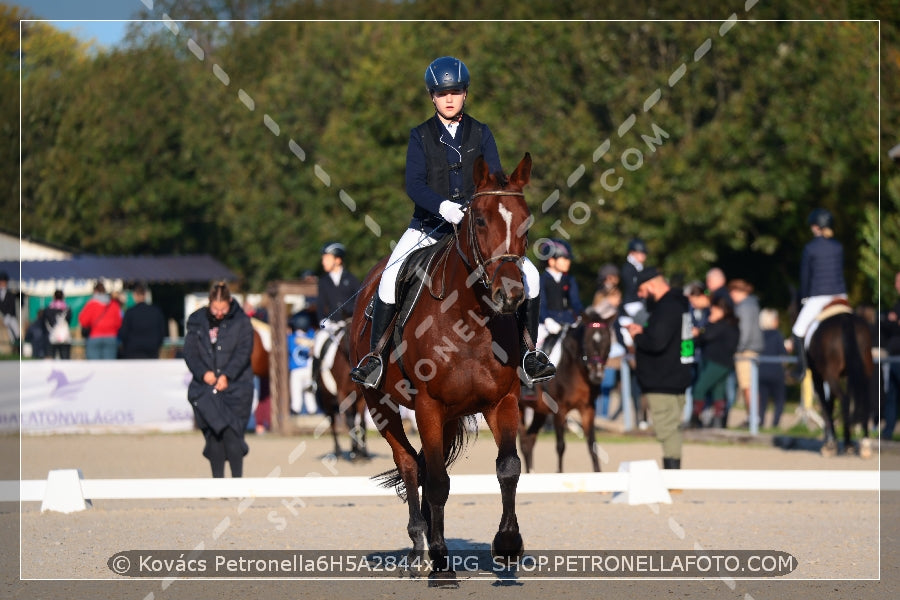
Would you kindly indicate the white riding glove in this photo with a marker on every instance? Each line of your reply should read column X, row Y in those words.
column 451, row 211
column 552, row 326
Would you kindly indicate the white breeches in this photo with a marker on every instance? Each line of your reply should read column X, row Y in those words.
column 811, row 309
column 412, row 239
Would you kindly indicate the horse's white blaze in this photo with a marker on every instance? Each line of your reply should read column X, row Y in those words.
column 507, row 218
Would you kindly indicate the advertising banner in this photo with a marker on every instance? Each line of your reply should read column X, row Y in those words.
column 76, row 396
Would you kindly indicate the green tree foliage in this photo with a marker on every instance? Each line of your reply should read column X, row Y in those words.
column 260, row 141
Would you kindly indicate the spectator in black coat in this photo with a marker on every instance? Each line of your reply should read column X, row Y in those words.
column 719, row 340
column 664, row 359
column 218, row 343
column 890, row 340
column 143, row 327
column 771, row 375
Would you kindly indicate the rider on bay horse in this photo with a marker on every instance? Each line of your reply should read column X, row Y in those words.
column 439, row 164
column 821, row 280
column 560, row 302
column 334, row 303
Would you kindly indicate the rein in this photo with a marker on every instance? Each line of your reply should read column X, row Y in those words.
column 480, row 262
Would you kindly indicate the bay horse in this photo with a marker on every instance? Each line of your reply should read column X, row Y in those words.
column 259, row 364
column 458, row 356
column 842, row 346
column 337, row 395
column 585, row 348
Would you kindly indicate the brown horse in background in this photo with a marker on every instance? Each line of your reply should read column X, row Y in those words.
column 458, row 356
column 841, row 346
column 345, row 400
column 585, row 348
column 259, row 364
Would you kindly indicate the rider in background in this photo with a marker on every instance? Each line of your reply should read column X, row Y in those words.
column 633, row 306
column 440, row 160
column 560, row 304
column 821, row 280
column 336, row 296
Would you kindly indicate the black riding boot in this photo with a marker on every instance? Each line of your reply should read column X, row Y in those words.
column 370, row 369
column 671, row 463
column 535, row 363
column 799, row 371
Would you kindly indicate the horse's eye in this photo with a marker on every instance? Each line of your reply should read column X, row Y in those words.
column 480, row 222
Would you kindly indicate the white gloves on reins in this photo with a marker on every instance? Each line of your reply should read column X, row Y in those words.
column 552, row 326
column 451, row 211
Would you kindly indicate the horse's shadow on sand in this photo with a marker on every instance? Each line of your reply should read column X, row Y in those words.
column 468, row 560
column 787, row 442
column 348, row 456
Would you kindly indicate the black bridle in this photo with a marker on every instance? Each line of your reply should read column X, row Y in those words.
column 593, row 359
column 472, row 240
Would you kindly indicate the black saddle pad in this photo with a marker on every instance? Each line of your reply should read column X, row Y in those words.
column 415, row 273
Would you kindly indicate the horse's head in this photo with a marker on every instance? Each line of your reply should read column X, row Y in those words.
column 596, row 342
column 495, row 228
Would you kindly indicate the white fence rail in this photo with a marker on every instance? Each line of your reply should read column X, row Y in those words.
column 66, row 491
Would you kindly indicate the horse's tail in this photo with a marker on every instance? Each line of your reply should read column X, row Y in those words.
column 394, row 479
column 857, row 380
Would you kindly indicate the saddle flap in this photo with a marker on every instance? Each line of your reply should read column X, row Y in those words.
column 417, row 271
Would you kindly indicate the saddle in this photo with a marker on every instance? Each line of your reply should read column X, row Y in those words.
column 422, row 268
column 838, row 306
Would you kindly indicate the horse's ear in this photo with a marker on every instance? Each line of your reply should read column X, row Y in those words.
column 522, row 175
column 480, row 172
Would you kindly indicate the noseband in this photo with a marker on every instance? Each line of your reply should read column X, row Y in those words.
column 480, row 262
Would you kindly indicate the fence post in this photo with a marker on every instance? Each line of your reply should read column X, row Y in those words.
column 627, row 404
column 753, row 417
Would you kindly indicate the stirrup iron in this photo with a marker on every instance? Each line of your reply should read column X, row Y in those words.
column 377, row 372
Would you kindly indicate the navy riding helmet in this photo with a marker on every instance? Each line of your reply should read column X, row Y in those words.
column 556, row 249
column 637, row 245
column 336, row 249
column 821, row 218
column 446, row 73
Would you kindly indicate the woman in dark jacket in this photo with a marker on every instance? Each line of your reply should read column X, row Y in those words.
column 218, row 342
column 719, row 340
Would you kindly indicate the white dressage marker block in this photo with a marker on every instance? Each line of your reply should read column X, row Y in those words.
column 645, row 484
column 63, row 491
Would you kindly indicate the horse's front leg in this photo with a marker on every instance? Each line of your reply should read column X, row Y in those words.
column 846, row 419
column 503, row 422
column 529, row 438
column 587, row 424
column 559, row 427
column 436, row 483
column 334, row 434
column 829, row 446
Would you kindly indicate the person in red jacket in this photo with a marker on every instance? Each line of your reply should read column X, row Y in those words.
column 100, row 320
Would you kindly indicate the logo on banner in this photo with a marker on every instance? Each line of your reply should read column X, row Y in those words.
column 66, row 389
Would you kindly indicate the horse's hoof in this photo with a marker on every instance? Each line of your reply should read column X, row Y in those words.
column 865, row 448
column 829, row 449
column 851, row 450
column 507, row 548
column 443, row 579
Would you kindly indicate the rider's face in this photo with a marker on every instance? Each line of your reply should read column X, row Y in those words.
column 448, row 103
column 328, row 262
column 561, row 264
